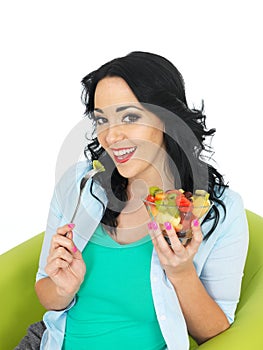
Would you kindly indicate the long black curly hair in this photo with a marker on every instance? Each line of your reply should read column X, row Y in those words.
column 159, row 86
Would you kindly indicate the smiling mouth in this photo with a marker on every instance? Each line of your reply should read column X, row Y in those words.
column 122, row 155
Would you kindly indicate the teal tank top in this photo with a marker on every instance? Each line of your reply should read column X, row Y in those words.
column 114, row 307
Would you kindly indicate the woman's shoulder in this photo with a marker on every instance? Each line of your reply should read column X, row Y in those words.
column 231, row 198
column 234, row 221
column 232, row 214
column 232, row 224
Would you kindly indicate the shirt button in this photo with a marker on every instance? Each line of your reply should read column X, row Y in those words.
column 163, row 317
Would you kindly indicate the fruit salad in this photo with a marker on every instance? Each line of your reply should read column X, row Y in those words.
column 178, row 207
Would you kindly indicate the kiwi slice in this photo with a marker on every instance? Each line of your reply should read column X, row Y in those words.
column 97, row 165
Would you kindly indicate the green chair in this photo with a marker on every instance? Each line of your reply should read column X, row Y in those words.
column 20, row 306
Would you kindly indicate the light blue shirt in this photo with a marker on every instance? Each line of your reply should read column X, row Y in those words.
column 219, row 261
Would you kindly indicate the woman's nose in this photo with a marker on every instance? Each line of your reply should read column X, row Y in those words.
column 114, row 134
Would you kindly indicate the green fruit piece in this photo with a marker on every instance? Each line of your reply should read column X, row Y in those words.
column 160, row 206
column 202, row 193
column 171, row 202
column 161, row 218
column 174, row 211
column 97, row 165
column 171, row 196
column 153, row 190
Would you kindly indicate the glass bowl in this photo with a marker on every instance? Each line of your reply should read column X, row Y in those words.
column 180, row 217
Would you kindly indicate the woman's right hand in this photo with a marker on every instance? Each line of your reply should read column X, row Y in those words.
column 65, row 265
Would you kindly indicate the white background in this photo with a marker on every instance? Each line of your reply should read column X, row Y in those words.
column 48, row 46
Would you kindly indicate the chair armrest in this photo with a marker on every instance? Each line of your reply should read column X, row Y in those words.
column 18, row 302
column 246, row 332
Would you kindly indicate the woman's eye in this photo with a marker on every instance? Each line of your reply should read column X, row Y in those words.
column 100, row 120
column 131, row 118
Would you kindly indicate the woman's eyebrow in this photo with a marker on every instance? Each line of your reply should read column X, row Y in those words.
column 122, row 108
column 119, row 109
column 98, row 110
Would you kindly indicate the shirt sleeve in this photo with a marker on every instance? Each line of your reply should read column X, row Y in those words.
column 223, row 270
column 53, row 222
column 61, row 208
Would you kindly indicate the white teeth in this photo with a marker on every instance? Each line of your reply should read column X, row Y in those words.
column 124, row 151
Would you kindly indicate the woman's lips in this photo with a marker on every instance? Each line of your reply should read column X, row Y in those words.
column 122, row 155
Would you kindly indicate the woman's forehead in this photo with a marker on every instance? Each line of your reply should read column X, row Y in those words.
column 113, row 91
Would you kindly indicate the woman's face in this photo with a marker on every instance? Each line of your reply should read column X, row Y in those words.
column 132, row 136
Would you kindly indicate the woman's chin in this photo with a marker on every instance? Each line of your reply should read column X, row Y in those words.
column 133, row 169
column 124, row 171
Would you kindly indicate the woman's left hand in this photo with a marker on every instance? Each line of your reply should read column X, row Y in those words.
column 176, row 259
column 204, row 317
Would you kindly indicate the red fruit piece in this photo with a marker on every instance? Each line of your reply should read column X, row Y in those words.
column 183, row 201
column 184, row 204
column 150, row 198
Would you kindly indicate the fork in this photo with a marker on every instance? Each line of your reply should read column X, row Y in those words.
column 83, row 182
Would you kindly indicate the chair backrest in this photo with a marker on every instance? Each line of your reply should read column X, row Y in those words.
column 246, row 332
column 254, row 262
column 18, row 301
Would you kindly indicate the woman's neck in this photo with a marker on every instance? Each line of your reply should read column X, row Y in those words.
column 160, row 176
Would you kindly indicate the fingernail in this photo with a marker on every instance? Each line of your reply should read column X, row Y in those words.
column 195, row 222
column 168, row 225
column 154, row 225
column 74, row 249
column 150, row 225
column 71, row 225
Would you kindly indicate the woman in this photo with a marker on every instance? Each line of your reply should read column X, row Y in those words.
column 106, row 283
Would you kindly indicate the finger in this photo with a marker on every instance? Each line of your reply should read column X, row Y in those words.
column 60, row 253
column 52, row 267
column 63, row 230
column 159, row 241
column 197, row 237
column 151, row 229
column 62, row 241
column 69, row 234
column 176, row 245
